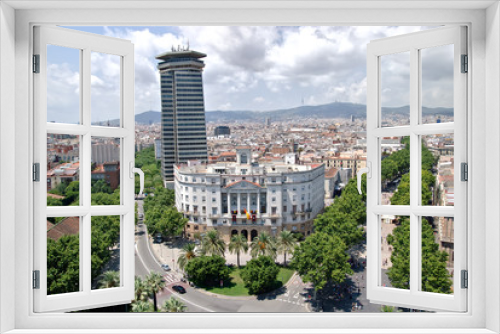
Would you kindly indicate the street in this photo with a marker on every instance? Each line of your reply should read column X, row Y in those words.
column 289, row 300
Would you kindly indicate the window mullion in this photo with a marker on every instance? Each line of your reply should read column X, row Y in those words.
column 85, row 167
column 414, row 170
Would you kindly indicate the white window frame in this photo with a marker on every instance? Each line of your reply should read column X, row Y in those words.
column 85, row 297
column 413, row 43
column 484, row 102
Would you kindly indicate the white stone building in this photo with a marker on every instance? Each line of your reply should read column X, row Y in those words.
column 246, row 198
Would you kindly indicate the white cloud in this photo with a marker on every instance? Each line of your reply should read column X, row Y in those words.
column 262, row 67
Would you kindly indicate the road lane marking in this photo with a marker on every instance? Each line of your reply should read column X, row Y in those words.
column 188, row 301
column 172, row 292
column 140, row 258
column 146, row 236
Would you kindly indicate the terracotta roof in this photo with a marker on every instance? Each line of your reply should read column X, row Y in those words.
column 246, row 147
column 234, row 183
column 67, row 226
column 228, row 154
column 331, row 173
column 55, row 196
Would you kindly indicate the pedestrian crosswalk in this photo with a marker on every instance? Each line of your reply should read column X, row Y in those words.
column 170, row 278
column 295, row 299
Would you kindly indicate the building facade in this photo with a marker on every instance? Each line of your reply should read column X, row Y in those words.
column 247, row 198
column 183, row 127
column 223, row 131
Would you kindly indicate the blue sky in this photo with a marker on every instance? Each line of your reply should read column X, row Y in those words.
column 251, row 68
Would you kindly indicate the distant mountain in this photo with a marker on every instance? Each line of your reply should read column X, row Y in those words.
column 148, row 117
column 331, row 110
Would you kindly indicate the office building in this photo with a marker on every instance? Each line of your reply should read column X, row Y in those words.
column 222, row 131
column 183, row 126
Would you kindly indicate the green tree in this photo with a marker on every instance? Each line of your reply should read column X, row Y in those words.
column 174, row 305
column 389, row 169
column 286, row 243
column 162, row 198
column 165, row 220
column 212, row 244
column 335, row 222
column 399, row 272
column 51, row 201
column 142, row 291
column 237, row 245
column 320, row 259
column 187, row 254
column 60, row 189
column 145, row 159
column 207, row 270
column 156, row 284
column 259, row 275
column 110, row 279
column 402, row 194
column 435, row 276
column 142, row 306
column 263, row 244
column 100, row 186
column 72, row 193
column 386, row 308
column 63, row 265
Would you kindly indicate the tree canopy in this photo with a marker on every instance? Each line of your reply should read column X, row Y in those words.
column 322, row 258
column 259, row 275
column 165, row 220
column 207, row 270
column 435, row 276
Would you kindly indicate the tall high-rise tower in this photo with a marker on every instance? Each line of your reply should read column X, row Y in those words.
column 183, row 127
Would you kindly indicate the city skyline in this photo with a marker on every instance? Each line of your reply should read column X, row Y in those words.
column 257, row 68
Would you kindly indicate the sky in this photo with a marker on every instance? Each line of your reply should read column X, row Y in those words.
column 250, row 68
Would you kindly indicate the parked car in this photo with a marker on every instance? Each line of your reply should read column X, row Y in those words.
column 179, row 289
column 158, row 239
column 166, row 267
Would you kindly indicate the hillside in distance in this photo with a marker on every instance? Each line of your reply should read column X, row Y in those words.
column 325, row 111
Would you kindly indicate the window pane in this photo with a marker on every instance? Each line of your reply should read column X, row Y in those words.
column 438, row 170
column 105, row 175
column 105, row 252
column 437, row 254
column 437, row 84
column 395, row 251
column 63, row 255
column 63, row 169
column 395, row 89
column 395, row 170
column 63, row 84
column 105, row 89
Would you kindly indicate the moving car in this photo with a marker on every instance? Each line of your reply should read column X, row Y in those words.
column 166, row 267
column 179, row 289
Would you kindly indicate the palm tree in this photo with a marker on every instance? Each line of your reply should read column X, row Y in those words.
column 187, row 253
column 141, row 306
column 237, row 245
column 286, row 243
column 386, row 308
column 263, row 244
column 212, row 244
column 141, row 290
column 155, row 283
column 110, row 279
column 174, row 305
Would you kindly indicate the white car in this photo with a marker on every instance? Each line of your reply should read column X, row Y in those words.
column 166, row 267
